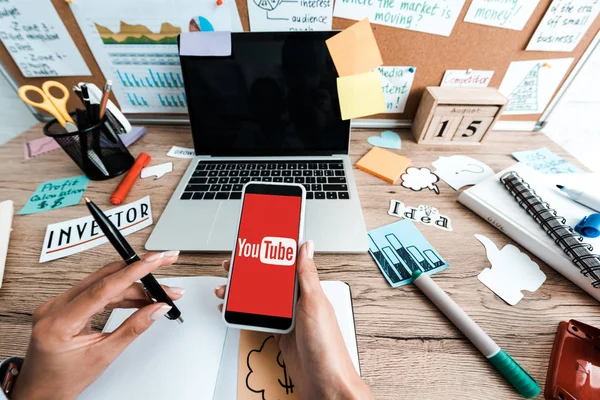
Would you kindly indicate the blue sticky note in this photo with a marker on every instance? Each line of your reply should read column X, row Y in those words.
column 399, row 249
column 56, row 194
column 546, row 162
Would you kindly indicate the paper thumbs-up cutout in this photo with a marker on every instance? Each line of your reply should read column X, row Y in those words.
column 511, row 272
column 157, row 170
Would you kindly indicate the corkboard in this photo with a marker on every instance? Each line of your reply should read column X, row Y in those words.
column 469, row 46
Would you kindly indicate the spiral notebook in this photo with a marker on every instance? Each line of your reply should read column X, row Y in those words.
column 541, row 201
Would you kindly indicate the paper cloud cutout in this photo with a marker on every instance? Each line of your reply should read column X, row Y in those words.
column 420, row 178
column 511, row 272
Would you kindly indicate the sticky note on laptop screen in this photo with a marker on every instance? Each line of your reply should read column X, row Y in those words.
column 360, row 95
column 384, row 164
column 355, row 50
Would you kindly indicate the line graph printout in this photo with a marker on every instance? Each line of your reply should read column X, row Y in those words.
column 135, row 45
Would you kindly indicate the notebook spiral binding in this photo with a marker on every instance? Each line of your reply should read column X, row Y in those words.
column 555, row 226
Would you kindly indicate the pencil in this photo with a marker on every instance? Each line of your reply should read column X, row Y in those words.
column 105, row 94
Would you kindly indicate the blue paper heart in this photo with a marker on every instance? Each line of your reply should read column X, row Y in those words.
column 387, row 139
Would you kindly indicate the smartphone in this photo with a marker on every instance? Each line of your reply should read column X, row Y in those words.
column 263, row 279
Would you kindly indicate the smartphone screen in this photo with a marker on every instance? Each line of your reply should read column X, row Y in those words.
column 263, row 270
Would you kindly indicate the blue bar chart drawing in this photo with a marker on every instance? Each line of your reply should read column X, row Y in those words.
column 150, row 78
column 173, row 100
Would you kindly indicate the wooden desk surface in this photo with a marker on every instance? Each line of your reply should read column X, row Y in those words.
column 407, row 347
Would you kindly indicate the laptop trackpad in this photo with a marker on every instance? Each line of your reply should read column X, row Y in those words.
column 221, row 234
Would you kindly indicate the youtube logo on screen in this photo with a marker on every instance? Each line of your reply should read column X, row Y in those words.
column 271, row 250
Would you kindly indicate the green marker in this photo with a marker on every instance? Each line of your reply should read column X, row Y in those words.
column 509, row 368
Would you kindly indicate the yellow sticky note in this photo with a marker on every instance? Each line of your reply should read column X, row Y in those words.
column 355, row 50
column 360, row 95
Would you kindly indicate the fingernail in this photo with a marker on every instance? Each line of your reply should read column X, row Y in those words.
column 310, row 249
column 177, row 290
column 172, row 253
column 154, row 257
column 224, row 262
column 160, row 312
column 217, row 288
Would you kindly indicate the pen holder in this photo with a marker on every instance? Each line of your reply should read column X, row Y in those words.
column 97, row 150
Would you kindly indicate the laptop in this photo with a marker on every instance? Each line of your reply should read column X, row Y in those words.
column 267, row 113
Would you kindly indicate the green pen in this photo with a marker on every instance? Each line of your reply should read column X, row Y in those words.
column 509, row 368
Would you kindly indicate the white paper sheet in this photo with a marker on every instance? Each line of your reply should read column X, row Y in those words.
column 466, row 78
column 76, row 235
column 396, row 83
column 158, row 171
column 512, row 14
column 564, row 24
column 38, row 41
column 290, row 15
column 169, row 361
column 134, row 43
column 437, row 17
column 529, row 85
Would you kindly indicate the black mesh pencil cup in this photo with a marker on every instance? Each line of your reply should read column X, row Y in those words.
column 97, row 150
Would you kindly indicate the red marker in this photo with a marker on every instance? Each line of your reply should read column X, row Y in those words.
column 125, row 186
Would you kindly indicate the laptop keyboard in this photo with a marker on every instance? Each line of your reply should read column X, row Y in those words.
column 222, row 180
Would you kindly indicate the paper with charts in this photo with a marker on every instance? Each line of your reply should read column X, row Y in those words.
column 564, row 25
column 529, row 85
column 37, row 40
column 399, row 249
column 511, row 14
column 290, row 15
column 135, row 45
column 436, row 17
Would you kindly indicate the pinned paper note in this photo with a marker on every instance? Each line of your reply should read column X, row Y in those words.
column 458, row 171
column 354, row 50
column 37, row 40
column 530, row 85
column 181, row 152
column 417, row 179
column 210, row 43
column 564, row 25
column 56, row 194
column 546, row 162
column 360, row 95
column 423, row 214
column 399, row 249
column 437, row 17
column 512, row 271
column 76, row 235
column 396, row 83
column 285, row 15
column 387, row 140
column 512, row 14
column 466, row 78
column 158, row 171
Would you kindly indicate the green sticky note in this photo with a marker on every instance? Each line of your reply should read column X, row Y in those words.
column 56, row 194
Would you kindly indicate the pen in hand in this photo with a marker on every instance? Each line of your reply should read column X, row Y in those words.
column 129, row 256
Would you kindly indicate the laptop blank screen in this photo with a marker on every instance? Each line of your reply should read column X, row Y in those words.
column 275, row 95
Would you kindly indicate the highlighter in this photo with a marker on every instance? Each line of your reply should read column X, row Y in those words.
column 125, row 186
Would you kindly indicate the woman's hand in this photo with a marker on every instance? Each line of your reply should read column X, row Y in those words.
column 64, row 356
column 315, row 352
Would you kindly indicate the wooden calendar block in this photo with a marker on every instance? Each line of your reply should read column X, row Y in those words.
column 449, row 115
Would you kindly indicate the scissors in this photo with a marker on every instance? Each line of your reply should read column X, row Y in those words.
column 57, row 107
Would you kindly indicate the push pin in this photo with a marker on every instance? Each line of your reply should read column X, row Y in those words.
column 219, row 2
column 469, row 71
column 546, row 65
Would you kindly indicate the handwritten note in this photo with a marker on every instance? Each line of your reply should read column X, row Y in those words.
column 508, row 14
column 76, row 235
column 56, row 194
column 396, row 83
column 564, row 24
column 181, row 152
column 437, row 17
column 360, row 95
column 285, row 15
column 546, row 161
column 529, row 85
column 354, row 50
column 466, row 78
column 38, row 41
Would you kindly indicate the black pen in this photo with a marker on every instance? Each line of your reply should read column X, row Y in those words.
column 129, row 255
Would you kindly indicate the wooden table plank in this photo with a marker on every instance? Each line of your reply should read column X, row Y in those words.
column 406, row 346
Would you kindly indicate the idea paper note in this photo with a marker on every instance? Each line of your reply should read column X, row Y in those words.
column 396, row 83
column 76, row 235
column 426, row 215
column 437, row 17
column 285, row 15
column 512, row 14
column 564, row 24
column 38, row 41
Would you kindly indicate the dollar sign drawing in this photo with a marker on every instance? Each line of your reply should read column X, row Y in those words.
column 43, row 204
column 57, row 202
column 287, row 381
